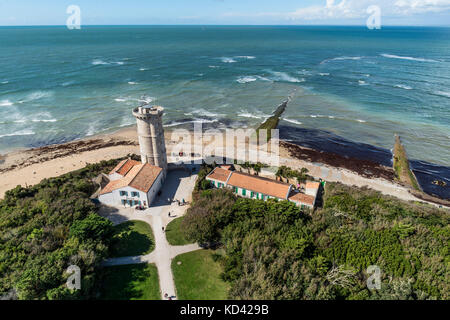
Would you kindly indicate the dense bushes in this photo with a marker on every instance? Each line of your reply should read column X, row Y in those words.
column 275, row 251
column 46, row 228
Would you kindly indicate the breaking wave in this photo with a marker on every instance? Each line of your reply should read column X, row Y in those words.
column 6, row 103
column 18, row 133
column 393, row 56
column 403, row 86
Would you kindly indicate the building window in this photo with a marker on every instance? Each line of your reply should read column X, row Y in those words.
column 235, row 190
column 135, row 194
column 244, row 192
column 123, row 193
column 124, row 202
column 252, row 194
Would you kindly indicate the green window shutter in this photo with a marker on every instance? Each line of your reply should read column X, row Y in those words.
column 244, row 192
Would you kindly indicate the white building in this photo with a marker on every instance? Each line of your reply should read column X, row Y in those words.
column 132, row 183
column 256, row 187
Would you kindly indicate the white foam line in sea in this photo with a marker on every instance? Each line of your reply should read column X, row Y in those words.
column 403, row 86
column 393, row 56
column 442, row 93
column 18, row 133
column 6, row 103
column 174, row 124
column 292, row 121
column 227, row 60
column 283, row 76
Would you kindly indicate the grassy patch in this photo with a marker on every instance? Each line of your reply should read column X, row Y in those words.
column 174, row 234
column 198, row 277
column 132, row 238
column 131, row 282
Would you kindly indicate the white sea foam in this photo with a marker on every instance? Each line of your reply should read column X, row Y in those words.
column 362, row 83
column 98, row 62
column 146, row 99
column 213, row 67
column 254, row 115
column 403, row 86
column 245, row 57
column 292, row 121
column 5, row 82
column 393, row 56
column 227, row 60
column 6, row 103
column 323, row 74
column 91, row 130
column 341, row 59
column 143, row 69
column 248, row 115
column 67, row 83
column 442, row 93
column 37, row 95
column 132, row 82
column 205, row 113
column 246, row 79
column 282, row 76
column 362, row 121
column 120, row 100
column 25, row 132
column 174, row 124
column 44, row 120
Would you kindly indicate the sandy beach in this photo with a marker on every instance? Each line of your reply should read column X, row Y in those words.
column 29, row 167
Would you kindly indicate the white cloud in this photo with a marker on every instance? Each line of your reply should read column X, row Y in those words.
column 408, row 7
column 357, row 9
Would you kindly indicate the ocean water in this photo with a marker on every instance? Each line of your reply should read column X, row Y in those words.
column 357, row 85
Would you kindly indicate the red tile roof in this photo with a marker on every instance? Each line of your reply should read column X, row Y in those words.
column 259, row 184
column 140, row 177
column 124, row 167
column 302, row 198
column 219, row 174
column 146, row 177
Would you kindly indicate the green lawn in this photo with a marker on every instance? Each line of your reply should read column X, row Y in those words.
column 174, row 234
column 198, row 277
column 131, row 282
column 132, row 238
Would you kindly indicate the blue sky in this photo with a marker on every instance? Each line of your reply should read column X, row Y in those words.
column 253, row 12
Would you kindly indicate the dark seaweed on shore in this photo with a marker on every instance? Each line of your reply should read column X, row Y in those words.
column 365, row 168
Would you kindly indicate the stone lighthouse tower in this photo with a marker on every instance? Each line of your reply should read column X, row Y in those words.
column 151, row 135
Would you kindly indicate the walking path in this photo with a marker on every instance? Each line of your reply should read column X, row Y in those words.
column 157, row 217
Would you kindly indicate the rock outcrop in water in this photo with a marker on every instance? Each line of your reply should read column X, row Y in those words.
column 402, row 168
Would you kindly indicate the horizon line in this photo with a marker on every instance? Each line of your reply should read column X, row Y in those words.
column 226, row 25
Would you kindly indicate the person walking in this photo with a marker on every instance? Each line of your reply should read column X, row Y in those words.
column 162, row 229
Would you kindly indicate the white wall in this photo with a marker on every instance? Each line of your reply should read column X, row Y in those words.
column 114, row 197
column 157, row 185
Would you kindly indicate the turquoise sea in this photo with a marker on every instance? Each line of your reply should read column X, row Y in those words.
column 353, row 88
